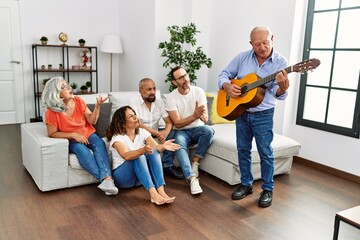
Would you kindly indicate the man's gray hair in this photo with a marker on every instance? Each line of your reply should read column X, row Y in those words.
column 261, row 29
column 51, row 95
column 142, row 81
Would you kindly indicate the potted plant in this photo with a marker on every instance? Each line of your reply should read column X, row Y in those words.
column 43, row 40
column 81, row 42
column 74, row 86
column 84, row 89
column 178, row 52
column 45, row 81
column 89, row 85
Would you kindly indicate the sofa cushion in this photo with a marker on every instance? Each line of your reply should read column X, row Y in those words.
column 224, row 145
column 103, row 121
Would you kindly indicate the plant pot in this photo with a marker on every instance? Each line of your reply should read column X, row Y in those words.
column 82, row 44
column 43, row 42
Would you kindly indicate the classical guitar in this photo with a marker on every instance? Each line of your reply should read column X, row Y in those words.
column 253, row 90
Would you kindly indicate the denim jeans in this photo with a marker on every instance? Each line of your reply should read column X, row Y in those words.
column 168, row 156
column 260, row 126
column 145, row 170
column 202, row 136
column 96, row 163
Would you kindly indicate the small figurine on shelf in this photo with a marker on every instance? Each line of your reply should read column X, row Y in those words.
column 43, row 40
column 74, row 86
column 81, row 42
column 85, row 59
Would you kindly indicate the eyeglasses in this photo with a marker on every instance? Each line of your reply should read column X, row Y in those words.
column 182, row 77
column 65, row 86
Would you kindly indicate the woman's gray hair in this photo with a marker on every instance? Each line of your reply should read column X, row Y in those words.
column 51, row 95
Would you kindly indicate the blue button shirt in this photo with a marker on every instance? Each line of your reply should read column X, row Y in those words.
column 245, row 63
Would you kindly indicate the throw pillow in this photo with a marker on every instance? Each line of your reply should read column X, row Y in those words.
column 210, row 101
column 214, row 118
column 103, row 121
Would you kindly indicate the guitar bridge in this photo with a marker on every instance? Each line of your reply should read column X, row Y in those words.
column 227, row 100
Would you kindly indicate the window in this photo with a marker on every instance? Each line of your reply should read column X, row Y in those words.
column 329, row 97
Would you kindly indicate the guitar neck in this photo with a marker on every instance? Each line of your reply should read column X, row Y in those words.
column 267, row 79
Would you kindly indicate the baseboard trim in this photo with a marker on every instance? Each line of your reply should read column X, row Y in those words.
column 327, row 169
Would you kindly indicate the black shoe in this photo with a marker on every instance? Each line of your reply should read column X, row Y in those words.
column 241, row 191
column 265, row 198
column 173, row 172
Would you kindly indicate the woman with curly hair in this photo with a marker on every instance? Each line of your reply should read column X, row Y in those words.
column 67, row 116
column 136, row 157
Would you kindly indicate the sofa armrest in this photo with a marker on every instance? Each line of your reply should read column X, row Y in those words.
column 45, row 158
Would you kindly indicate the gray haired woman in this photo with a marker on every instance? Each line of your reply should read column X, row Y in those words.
column 67, row 116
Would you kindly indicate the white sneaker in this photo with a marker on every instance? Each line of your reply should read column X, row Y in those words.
column 108, row 187
column 195, row 186
column 195, row 168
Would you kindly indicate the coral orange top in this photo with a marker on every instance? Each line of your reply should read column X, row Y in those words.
column 74, row 123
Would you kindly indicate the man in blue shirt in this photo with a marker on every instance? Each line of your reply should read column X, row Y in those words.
column 256, row 121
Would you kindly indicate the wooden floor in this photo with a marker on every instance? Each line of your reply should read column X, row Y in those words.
column 304, row 207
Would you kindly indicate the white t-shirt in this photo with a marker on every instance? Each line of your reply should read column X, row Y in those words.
column 139, row 142
column 149, row 117
column 185, row 104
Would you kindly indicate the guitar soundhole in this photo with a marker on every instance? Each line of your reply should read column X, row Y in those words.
column 243, row 89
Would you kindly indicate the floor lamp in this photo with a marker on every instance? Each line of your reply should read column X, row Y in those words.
column 111, row 44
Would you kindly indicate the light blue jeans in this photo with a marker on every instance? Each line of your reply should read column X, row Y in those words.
column 260, row 126
column 202, row 136
column 145, row 170
column 168, row 156
column 98, row 163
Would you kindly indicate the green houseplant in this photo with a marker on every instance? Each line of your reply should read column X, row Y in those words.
column 181, row 50
column 84, row 89
column 74, row 86
column 89, row 85
column 45, row 80
column 43, row 40
column 81, row 42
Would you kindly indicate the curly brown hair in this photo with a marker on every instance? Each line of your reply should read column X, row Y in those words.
column 118, row 123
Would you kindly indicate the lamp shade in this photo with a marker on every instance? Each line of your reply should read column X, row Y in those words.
column 111, row 44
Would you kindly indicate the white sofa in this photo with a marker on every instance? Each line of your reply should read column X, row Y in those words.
column 52, row 167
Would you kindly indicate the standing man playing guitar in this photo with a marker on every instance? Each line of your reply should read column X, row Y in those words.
column 256, row 121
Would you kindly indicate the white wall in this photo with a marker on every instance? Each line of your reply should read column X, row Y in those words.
column 231, row 24
column 333, row 150
column 79, row 19
column 224, row 26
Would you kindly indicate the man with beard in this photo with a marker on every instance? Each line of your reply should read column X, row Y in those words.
column 150, row 110
column 187, row 108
